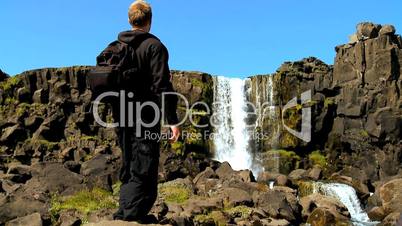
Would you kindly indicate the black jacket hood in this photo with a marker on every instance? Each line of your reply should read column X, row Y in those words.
column 134, row 36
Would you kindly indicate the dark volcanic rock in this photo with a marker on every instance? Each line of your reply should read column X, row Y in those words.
column 367, row 30
column 31, row 220
column 3, row 76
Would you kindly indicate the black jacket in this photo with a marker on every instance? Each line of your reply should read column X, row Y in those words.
column 153, row 59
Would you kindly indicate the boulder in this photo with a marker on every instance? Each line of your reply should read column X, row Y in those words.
column 100, row 170
column 40, row 96
column 387, row 30
column 391, row 196
column 315, row 173
column 24, row 95
column 237, row 196
column 225, row 171
column 275, row 204
column 392, row 219
column 246, row 176
column 12, row 134
column 208, row 173
column 201, row 205
column 323, row 217
column 277, row 178
column 53, row 177
column 298, row 174
column 11, row 209
column 367, row 30
column 332, row 205
column 376, row 214
column 31, row 220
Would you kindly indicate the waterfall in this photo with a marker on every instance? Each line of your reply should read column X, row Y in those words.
column 347, row 195
column 231, row 137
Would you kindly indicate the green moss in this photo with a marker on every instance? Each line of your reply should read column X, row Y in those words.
column 196, row 82
column 89, row 138
column 364, row 133
column 22, row 108
column 8, row 85
column 83, row 202
column 288, row 154
column 214, row 218
column 10, row 100
column 48, row 145
column 316, row 158
column 178, row 147
column 174, row 193
column 116, row 188
column 243, row 212
column 305, row 188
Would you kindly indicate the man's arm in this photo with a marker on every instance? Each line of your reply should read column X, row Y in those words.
column 161, row 83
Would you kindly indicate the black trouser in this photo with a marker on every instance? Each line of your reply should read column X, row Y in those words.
column 139, row 176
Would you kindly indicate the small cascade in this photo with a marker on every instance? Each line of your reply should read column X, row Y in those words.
column 271, row 185
column 231, row 138
column 347, row 195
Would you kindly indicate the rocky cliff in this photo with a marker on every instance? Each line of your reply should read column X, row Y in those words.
column 57, row 166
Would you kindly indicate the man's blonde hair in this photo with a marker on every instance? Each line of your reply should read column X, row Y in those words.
column 139, row 13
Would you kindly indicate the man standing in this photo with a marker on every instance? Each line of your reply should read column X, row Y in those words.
column 139, row 172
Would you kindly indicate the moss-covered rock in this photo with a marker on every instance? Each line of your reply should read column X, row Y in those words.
column 213, row 218
column 317, row 158
column 83, row 202
column 173, row 192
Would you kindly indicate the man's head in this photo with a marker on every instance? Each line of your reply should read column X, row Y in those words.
column 140, row 15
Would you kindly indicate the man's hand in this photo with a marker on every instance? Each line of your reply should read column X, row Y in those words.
column 175, row 133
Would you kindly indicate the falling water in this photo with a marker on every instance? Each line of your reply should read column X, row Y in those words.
column 347, row 195
column 271, row 185
column 231, row 138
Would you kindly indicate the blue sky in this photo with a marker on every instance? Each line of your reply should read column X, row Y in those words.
column 231, row 38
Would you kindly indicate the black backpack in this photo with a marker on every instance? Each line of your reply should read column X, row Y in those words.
column 116, row 68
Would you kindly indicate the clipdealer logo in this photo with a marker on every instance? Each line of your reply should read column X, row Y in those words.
column 136, row 108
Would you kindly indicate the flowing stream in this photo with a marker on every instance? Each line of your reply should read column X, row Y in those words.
column 347, row 195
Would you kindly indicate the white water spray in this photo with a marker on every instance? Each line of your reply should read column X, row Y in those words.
column 231, row 137
column 347, row 195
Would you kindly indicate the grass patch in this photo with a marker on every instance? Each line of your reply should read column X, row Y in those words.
column 212, row 218
column 174, row 193
column 288, row 154
column 305, row 188
column 83, row 202
column 317, row 158
column 364, row 133
column 243, row 212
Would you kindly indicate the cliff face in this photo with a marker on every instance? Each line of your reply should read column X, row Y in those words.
column 356, row 106
column 51, row 144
